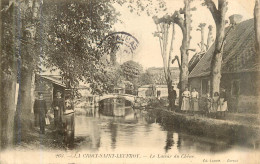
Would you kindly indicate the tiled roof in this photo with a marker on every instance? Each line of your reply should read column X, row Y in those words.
column 195, row 59
column 239, row 52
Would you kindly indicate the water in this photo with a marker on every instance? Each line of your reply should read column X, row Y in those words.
column 136, row 132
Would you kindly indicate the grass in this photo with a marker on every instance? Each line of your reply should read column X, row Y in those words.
column 204, row 126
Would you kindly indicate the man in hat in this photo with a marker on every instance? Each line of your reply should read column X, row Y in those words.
column 58, row 107
column 40, row 110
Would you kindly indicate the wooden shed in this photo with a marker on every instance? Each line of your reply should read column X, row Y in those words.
column 49, row 85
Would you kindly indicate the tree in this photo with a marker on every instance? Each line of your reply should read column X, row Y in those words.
column 210, row 37
column 24, row 46
column 74, row 32
column 146, row 78
column 8, row 74
column 113, row 77
column 163, row 25
column 28, row 16
column 185, row 24
column 202, row 42
column 257, row 25
column 218, row 15
column 131, row 71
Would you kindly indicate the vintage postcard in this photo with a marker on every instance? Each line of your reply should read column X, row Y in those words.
column 130, row 81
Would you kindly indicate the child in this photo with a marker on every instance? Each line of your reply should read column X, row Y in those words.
column 215, row 104
column 209, row 104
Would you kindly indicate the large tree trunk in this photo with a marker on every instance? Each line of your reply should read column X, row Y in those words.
column 219, row 18
column 216, row 61
column 8, row 90
column 29, row 51
column 184, row 72
column 215, row 72
column 257, row 25
column 186, row 28
column 170, row 94
column 24, row 104
column 8, row 77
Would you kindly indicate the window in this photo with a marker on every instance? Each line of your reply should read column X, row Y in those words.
column 235, row 87
column 205, row 86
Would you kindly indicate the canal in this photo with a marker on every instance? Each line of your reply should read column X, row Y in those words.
column 99, row 130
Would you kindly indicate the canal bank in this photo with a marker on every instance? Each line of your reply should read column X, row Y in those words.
column 229, row 130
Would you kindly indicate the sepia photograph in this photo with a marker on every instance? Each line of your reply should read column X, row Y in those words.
column 130, row 81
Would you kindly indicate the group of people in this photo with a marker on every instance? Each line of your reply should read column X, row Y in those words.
column 190, row 101
column 40, row 111
column 216, row 105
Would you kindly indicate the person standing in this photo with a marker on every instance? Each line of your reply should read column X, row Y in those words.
column 223, row 102
column 185, row 106
column 40, row 110
column 194, row 101
column 208, row 104
column 174, row 96
column 58, row 107
column 215, row 103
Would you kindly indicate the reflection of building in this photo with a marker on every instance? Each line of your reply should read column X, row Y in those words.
column 240, row 69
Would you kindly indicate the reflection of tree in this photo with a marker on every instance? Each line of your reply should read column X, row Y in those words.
column 169, row 141
column 148, row 128
column 179, row 142
column 113, row 128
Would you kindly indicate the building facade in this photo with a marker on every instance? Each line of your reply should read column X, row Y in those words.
column 240, row 70
column 49, row 85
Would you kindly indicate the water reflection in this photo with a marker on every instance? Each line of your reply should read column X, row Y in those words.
column 135, row 131
column 169, row 141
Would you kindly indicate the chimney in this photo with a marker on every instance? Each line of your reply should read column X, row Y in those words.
column 235, row 19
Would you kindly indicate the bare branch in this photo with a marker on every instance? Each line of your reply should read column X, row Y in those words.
column 177, row 58
column 171, row 48
column 222, row 44
column 176, row 17
column 213, row 9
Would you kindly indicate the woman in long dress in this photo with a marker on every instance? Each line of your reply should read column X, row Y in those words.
column 185, row 106
column 223, row 102
column 209, row 104
column 215, row 104
column 58, row 107
column 194, row 101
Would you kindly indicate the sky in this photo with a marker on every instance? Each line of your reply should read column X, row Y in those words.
column 142, row 27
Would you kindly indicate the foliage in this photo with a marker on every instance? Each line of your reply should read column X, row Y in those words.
column 150, row 7
column 8, row 58
column 131, row 70
column 145, row 78
column 112, row 77
column 73, row 34
column 257, row 25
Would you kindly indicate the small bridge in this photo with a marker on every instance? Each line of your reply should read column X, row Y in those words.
column 128, row 97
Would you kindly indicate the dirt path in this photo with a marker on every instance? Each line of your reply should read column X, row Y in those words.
column 33, row 140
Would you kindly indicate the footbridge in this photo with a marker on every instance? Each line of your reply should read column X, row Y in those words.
column 128, row 97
